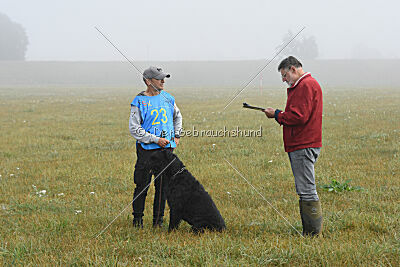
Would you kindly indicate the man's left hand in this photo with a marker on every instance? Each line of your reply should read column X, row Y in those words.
column 269, row 112
column 176, row 141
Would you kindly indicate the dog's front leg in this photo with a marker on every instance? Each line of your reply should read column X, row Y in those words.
column 174, row 220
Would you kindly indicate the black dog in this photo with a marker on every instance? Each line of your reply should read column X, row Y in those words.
column 186, row 197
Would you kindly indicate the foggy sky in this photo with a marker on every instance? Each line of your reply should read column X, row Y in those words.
column 203, row 30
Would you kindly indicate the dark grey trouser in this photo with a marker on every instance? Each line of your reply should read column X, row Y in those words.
column 302, row 162
column 142, row 178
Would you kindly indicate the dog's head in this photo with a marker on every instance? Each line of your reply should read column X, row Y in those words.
column 165, row 161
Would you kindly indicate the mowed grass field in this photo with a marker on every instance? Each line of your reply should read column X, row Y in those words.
column 75, row 145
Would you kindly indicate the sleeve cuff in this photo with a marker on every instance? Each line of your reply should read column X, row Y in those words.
column 156, row 139
column 277, row 111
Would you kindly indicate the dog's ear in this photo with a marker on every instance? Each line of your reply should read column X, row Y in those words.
column 171, row 156
column 157, row 156
column 168, row 154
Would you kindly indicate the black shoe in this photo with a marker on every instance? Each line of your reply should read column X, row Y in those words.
column 138, row 222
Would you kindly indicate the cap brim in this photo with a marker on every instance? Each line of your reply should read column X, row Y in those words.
column 162, row 76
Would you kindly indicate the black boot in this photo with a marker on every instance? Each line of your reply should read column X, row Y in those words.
column 311, row 217
column 138, row 222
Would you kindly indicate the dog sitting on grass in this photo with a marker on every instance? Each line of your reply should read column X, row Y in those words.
column 186, row 197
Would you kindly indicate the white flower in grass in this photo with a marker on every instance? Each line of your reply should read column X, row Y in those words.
column 254, row 223
column 41, row 193
column 270, row 161
column 78, row 211
column 92, row 193
column 228, row 193
column 17, row 168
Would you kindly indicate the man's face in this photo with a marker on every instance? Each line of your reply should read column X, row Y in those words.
column 289, row 76
column 159, row 84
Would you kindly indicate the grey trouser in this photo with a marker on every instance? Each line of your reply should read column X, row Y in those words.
column 302, row 162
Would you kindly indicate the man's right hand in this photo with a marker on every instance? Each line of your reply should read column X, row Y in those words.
column 269, row 112
column 162, row 142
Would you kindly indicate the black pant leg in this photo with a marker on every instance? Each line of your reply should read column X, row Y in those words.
column 142, row 178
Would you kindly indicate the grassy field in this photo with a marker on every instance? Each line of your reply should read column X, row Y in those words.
column 75, row 144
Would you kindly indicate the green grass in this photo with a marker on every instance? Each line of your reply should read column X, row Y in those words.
column 76, row 141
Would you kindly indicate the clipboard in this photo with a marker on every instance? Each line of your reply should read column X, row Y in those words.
column 245, row 105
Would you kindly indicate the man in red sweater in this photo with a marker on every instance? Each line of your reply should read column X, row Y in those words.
column 302, row 137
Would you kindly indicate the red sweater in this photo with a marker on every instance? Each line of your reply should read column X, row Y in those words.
column 302, row 118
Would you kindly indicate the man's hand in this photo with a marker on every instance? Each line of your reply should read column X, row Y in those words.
column 269, row 112
column 162, row 142
column 176, row 141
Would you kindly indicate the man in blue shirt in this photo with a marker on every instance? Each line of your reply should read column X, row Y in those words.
column 155, row 122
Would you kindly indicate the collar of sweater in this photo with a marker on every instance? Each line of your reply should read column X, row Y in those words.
column 299, row 79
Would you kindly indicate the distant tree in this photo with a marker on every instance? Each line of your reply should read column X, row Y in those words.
column 13, row 39
column 302, row 46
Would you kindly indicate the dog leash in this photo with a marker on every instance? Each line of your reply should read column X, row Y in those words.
column 159, row 199
column 161, row 188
